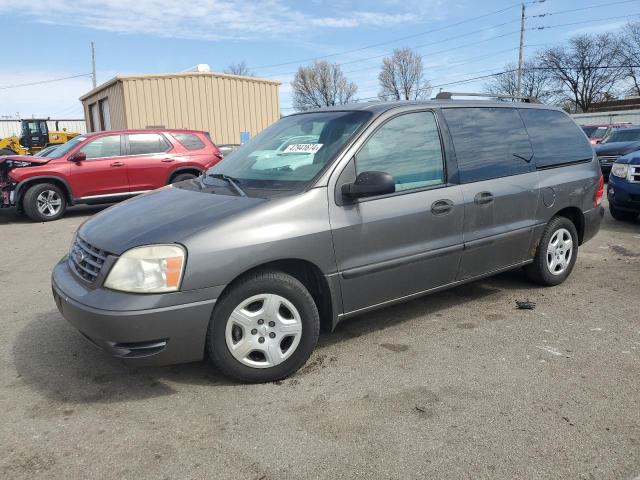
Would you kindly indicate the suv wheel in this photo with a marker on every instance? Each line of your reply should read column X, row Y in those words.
column 264, row 328
column 44, row 202
column 621, row 215
column 180, row 177
column 556, row 254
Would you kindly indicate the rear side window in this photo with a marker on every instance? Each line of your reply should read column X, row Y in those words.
column 147, row 143
column 190, row 141
column 106, row 146
column 489, row 142
column 407, row 147
column 555, row 138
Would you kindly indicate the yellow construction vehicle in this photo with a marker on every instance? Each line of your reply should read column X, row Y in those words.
column 34, row 136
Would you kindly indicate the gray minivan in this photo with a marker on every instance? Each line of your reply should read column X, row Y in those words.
column 325, row 215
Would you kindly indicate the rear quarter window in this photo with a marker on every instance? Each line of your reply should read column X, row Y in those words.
column 555, row 138
column 190, row 141
column 489, row 142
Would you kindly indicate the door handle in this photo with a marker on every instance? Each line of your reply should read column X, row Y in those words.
column 117, row 164
column 167, row 160
column 483, row 198
column 441, row 207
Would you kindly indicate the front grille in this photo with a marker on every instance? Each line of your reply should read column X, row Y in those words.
column 607, row 159
column 86, row 260
column 634, row 173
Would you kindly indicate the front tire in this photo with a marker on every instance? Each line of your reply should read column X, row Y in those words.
column 264, row 328
column 44, row 202
column 556, row 254
column 621, row 215
column 181, row 177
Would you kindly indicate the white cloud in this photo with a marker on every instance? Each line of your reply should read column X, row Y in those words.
column 210, row 19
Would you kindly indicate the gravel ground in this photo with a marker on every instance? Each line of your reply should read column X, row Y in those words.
column 460, row 384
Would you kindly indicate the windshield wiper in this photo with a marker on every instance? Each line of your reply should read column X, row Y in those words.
column 230, row 180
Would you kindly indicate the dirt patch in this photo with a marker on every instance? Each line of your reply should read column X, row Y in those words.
column 395, row 347
column 625, row 252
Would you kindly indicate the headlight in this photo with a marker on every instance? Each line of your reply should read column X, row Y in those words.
column 620, row 170
column 149, row 269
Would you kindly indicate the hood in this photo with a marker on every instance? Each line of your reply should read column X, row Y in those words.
column 167, row 215
column 19, row 160
column 630, row 159
column 616, row 148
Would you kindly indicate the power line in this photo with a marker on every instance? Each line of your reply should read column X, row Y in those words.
column 589, row 7
column 400, row 39
column 30, row 84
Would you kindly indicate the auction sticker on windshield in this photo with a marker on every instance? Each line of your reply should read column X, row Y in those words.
column 303, row 148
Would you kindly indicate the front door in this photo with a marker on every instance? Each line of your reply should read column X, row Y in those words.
column 104, row 172
column 396, row 245
column 499, row 184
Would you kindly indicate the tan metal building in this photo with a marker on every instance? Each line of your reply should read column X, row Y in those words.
column 223, row 105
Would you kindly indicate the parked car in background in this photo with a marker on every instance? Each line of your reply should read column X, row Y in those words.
column 392, row 201
column 103, row 167
column 623, row 190
column 597, row 133
column 619, row 142
column 227, row 148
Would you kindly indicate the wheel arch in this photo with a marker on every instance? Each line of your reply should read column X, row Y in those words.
column 186, row 169
column 24, row 185
column 577, row 218
column 311, row 277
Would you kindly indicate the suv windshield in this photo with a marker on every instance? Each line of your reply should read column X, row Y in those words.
column 290, row 153
column 67, row 147
column 622, row 135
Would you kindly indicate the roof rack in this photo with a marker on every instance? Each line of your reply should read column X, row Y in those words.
column 450, row 95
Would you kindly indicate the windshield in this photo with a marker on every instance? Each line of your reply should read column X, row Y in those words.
column 622, row 135
column 290, row 153
column 589, row 130
column 66, row 147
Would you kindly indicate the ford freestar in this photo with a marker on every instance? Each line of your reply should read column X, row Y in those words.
column 325, row 215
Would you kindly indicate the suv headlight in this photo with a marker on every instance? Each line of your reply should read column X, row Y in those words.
column 148, row 269
column 620, row 170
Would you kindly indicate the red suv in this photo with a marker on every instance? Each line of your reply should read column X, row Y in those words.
column 103, row 167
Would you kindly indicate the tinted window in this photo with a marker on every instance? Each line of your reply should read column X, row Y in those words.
column 147, row 143
column 489, row 142
column 406, row 147
column 108, row 146
column 556, row 139
column 190, row 141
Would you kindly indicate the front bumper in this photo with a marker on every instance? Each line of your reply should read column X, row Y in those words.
column 155, row 331
column 623, row 195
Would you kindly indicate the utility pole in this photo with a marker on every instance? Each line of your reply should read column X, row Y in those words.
column 93, row 64
column 520, row 55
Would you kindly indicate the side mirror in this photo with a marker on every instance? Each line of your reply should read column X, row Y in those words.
column 78, row 157
column 368, row 184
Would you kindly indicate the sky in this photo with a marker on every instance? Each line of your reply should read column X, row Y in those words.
column 458, row 39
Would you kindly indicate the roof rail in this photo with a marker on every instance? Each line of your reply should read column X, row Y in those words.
column 450, row 95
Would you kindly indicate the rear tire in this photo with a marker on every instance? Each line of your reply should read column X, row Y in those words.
column 556, row 254
column 44, row 202
column 263, row 328
column 181, row 177
column 621, row 215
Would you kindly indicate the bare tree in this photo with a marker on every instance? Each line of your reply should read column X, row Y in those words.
column 536, row 82
column 402, row 76
column 321, row 85
column 239, row 68
column 586, row 70
column 631, row 55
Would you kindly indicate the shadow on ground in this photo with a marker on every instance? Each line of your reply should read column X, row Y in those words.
column 10, row 216
column 52, row 357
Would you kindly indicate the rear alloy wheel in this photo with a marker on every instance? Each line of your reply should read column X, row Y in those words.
column 264, row 328
column 44, row 202
column 556, row 254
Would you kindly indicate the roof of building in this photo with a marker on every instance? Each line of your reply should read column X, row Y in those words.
column 122, row 78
